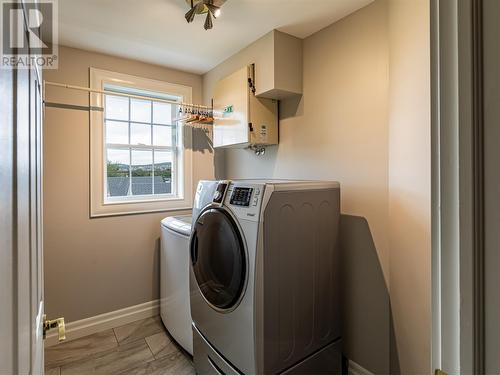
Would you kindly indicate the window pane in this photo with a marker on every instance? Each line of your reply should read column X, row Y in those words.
column 142, row 172
column 116, row 107
column 118, row 162
column 140, row 134
column 162, row 113
column 116, row 132
column 140, row 110
column 162, row 135
column 163, row 172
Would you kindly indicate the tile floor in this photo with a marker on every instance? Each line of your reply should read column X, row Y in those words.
column 142, row 347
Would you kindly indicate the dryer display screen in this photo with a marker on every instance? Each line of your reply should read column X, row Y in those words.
column 241, row 196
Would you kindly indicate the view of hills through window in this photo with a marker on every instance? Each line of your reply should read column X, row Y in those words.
column 142, row 183
column 141, row 144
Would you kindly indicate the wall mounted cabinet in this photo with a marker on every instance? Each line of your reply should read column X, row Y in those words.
column 241, row 118
column 278, row 66
column 250, row 117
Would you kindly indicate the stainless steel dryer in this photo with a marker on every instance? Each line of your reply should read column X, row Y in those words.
column 264, row 277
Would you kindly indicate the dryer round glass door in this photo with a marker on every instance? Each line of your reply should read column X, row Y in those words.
column 218, row 258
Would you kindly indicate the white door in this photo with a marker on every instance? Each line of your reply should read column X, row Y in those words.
column 36, row 261
column 490, row 311
column 21, row 258
column 466, row 260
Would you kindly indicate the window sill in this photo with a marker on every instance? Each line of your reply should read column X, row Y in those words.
column 145, row 212
column 121, row 208
column 145, row 199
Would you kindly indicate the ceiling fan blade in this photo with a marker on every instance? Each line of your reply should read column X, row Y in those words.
column 208, row 22
column 197, row 9
column 190, row 15
column 212, row 8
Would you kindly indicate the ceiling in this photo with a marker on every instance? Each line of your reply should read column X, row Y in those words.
column 155, row 31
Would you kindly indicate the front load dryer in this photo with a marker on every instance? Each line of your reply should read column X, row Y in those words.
column 264, row 277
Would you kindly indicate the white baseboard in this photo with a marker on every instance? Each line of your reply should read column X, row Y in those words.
column 99, row 323
column 355, row 369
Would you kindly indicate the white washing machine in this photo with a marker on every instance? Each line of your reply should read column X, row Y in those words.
column 174, row 279
column 264, row 277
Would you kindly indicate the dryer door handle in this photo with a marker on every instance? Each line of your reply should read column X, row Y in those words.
column 194, row 249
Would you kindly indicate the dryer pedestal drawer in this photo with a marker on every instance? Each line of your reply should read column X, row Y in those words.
column 207, row 360
column 326, row 361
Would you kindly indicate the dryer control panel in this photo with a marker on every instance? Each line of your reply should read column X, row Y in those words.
column 241, row 196
column 245, row 200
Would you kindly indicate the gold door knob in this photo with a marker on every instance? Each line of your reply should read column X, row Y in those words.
column 50, row 324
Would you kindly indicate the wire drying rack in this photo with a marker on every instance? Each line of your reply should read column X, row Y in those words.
column 195, row 115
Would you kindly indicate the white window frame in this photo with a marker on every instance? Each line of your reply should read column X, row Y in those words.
column 99, row 205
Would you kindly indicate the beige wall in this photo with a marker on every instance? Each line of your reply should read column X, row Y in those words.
column 410, row 185
column 93, row 266
column 339, row 131
column 364, row 120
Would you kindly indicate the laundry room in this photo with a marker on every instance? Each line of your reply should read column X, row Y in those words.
column 232, row 187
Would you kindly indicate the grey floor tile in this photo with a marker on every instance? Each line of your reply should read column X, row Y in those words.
column 138, row 330
column 144, row 349
column 114, row 361
column 84, row 347
column 174, row 364
column 161, row 345
column 53, row 371
column 182, row 366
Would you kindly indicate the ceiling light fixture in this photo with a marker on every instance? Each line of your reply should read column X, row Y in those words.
column 210, row 7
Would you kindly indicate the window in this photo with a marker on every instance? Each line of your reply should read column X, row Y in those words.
column 139, row 158
column 141, row 148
